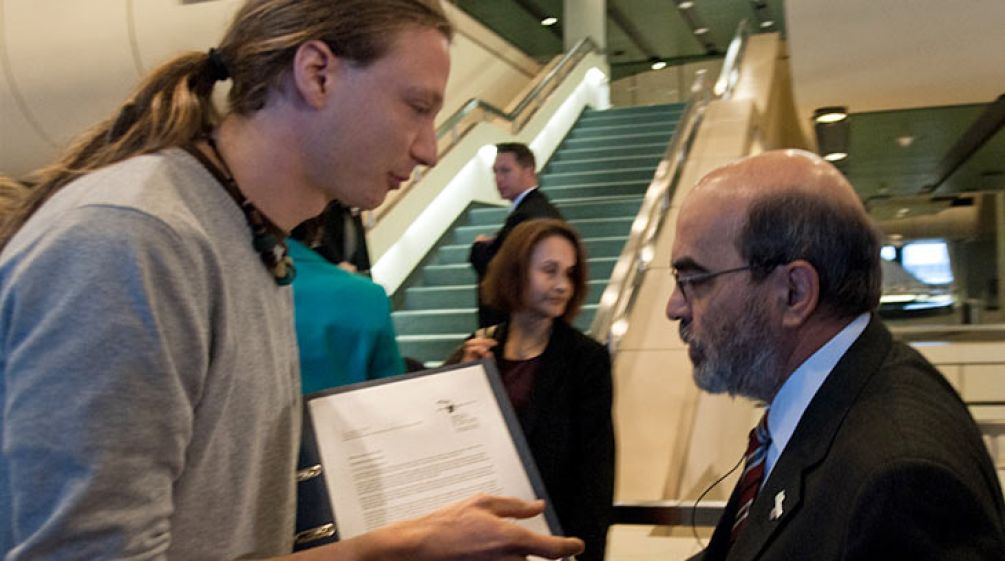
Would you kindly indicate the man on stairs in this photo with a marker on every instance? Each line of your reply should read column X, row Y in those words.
column 516, row 179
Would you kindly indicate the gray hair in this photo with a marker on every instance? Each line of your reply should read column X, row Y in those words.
column 837, row 239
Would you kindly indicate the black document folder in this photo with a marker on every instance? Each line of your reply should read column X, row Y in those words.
column 400, row 447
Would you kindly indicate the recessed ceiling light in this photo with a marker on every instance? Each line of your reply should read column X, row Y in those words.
column 659, row 65
column 766, row 24
column 835, row 156
column 830, row 114
column 549, row 21
column 701, row 31
column 686, row 5
column 905, row 140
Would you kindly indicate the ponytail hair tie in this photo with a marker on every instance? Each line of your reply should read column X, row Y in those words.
column 126, row 119
column 218, row 69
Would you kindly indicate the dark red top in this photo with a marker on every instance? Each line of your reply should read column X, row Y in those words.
column 518, row 377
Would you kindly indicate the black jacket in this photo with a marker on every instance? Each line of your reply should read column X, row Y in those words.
column 568, row 426
column 885, row 463
column 534, row 205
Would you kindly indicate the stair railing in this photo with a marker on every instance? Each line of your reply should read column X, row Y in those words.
column 611, row 321
column 477, row 110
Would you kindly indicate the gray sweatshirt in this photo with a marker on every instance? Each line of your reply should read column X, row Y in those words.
column 149, row 390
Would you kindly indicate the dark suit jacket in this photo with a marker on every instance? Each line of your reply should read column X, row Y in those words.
column 567, row 422
column 344, row 238
column 534, row 205
column 886, row 463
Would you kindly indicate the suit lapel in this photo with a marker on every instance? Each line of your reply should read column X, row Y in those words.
column 718, row 544
column 811, row 442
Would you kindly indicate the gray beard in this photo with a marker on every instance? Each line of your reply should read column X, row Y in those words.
column 738, row 357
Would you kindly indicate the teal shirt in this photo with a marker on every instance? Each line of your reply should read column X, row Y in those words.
column 344, row 327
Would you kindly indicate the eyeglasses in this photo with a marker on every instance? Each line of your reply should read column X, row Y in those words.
column 687, row 282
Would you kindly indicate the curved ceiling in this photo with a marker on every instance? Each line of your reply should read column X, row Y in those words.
column 914, row 76
column 894, row 64
column 639, row 32
column 105, row 47
column 873, row 55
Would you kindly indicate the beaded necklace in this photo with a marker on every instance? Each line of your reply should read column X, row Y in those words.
column 268, row 239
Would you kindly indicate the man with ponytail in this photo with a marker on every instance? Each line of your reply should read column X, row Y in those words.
column 149, row 393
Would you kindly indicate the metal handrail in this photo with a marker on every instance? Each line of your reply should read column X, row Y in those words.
column 949, row 332
column 669, row 513
column 453, row 129
column 546, row 84
column 611, row 320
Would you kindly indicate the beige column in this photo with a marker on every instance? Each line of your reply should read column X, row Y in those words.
column 584, row 18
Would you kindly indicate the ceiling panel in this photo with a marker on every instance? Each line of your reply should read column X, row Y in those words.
column 517, row 21
column 897, row 153
column 984, row 171
column 647, row 28
column 660, row 24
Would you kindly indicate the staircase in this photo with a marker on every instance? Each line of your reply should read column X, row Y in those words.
column 597, row 179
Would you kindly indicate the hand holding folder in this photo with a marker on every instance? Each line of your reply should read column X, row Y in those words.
column 425, row 458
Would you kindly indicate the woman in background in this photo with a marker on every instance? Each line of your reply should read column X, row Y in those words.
column 345, row 333
column 558, row 380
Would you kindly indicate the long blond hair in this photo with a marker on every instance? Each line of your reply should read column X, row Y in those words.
column 11, row 193
column 173, row 105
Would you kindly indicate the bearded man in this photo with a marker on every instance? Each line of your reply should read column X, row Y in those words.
column 865, row 451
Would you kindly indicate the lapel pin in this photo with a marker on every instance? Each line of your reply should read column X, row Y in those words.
column 777, row 511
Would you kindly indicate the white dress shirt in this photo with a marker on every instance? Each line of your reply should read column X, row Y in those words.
column 521, row 197
column 796, row 393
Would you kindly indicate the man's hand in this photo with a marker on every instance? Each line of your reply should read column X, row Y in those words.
column 482, row 238
column 347, row 266
column 477, row 529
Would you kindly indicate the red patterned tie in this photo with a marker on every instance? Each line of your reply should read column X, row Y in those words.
column 753, row 474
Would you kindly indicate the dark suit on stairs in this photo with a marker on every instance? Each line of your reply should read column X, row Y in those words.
column 534, row 205
column 885, row 463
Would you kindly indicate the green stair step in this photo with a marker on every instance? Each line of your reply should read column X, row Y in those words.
column 595, row 247
column 430, row 297
column 586, row 227
column 620, row 139
column 613, row 118
column 578, row 177
column 591, row 115
column 654, row 149
column 585, row 317
column 424, row 322
column 607, row 130
column 463, row 273
column 493, row 216
column 433, row 297
column 604, row 163
column 571, row 209
column 597, row 189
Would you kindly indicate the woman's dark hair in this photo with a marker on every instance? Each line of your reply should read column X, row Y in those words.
column 837, row 239
column 173, row 106
column 508, row 273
